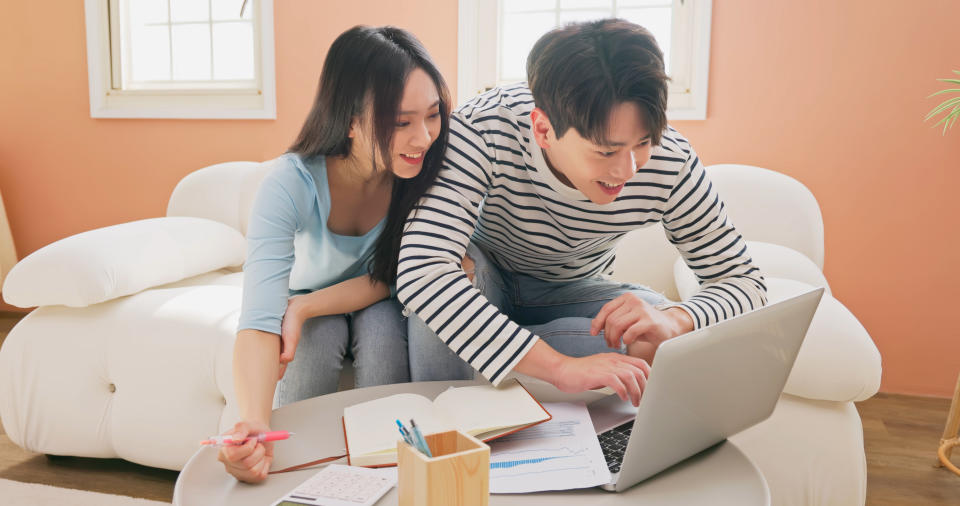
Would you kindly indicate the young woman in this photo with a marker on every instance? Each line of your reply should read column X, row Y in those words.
column 324, row 234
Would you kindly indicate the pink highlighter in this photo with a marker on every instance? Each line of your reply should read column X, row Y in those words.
column 227, row 440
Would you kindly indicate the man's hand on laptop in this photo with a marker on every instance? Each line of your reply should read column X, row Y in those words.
column 639, row 325
column 626, row 375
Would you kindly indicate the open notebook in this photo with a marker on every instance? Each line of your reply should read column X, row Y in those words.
column 485, row 412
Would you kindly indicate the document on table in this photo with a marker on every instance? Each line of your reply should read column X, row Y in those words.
column 559, row 454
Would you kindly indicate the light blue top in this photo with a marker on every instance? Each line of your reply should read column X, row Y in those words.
column 290, row 250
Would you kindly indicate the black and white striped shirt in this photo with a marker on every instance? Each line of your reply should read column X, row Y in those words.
column 496, row 189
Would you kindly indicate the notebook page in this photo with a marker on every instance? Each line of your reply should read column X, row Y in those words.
column 371, row 426
column 483, row 408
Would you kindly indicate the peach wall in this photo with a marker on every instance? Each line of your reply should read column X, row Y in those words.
column 62, row 172
column 831, row 93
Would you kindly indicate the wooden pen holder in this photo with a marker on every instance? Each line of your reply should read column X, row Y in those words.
column 457, row 475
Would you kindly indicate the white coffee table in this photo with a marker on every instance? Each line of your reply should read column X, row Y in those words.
column 722, row 475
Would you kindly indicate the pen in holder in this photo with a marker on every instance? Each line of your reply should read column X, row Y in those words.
column 458, row 474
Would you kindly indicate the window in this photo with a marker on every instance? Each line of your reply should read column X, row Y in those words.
column 181, row 59
column 496, row 35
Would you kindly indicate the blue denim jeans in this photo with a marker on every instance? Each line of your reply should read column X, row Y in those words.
column 376, row 338
column 560, row 313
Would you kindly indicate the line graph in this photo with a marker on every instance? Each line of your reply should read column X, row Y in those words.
column 560, row 454
column 538, row 461
column 514, row 463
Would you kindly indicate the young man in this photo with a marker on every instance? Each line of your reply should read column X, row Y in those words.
column 537, row 188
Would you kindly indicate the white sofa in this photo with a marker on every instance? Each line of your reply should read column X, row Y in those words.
column 129, row 354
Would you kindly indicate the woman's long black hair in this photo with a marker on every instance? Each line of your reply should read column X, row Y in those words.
column 369, row 66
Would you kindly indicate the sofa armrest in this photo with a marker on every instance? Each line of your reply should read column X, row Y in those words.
column 838, row 360
column 106, row 263
column 223, row 192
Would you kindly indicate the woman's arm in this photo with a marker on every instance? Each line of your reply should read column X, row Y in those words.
column 255, row 372
column 274, row 220
column 344, row 297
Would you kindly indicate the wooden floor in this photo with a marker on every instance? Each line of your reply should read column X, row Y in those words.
column 901, row 435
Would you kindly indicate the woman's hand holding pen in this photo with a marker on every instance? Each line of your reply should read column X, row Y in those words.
column 251, row 461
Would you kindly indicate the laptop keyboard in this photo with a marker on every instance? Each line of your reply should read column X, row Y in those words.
column 614, row 443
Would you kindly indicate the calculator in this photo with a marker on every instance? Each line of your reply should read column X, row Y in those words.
column 339, row 485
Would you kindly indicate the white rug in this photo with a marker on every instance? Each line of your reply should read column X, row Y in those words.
column 15, row 493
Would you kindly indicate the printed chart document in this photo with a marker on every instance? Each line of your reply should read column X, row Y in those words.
column 560, row 454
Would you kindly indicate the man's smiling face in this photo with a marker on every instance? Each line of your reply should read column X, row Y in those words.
column 599, row 171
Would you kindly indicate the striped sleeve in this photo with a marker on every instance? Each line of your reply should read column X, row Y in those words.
column 430, row 279
column 696, row 222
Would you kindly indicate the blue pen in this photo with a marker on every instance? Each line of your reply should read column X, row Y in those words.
column 408, row 437
column 419, row 438
column 405, row 433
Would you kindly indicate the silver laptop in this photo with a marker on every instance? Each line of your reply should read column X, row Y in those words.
column 704, row 387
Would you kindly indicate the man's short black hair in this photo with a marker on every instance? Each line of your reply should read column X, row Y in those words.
column 579, row 72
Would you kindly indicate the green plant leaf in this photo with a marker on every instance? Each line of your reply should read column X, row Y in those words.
column 945, row 105
column 944, row 119
column 948, row 124
column 951, row 104
column 941, row 92
column 944, row 132
column 949, row 119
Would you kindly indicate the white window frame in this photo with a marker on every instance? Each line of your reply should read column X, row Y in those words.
column 477, row 57
column 107, row 101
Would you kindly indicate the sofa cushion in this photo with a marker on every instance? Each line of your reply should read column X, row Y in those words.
column 106, row 263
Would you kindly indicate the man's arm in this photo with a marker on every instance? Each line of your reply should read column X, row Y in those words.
column 431, row 282
column 696, row 223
